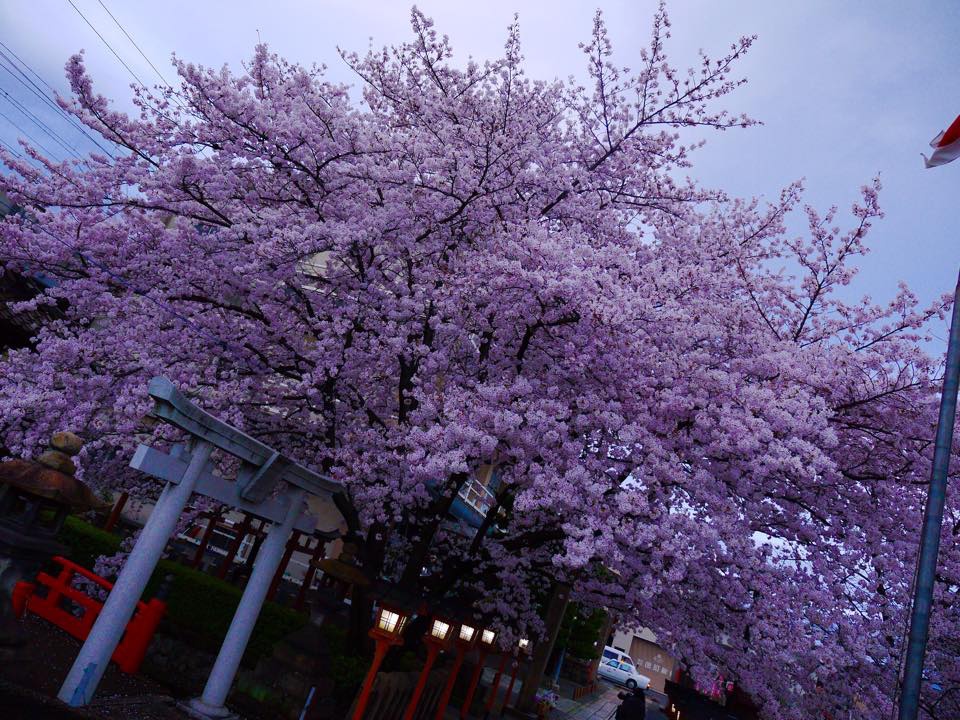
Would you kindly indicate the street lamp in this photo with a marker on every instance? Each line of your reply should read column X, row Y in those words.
column 386, row 631
column 465, row 639
column 438, row 638
column 523, row 648
column 488, row 639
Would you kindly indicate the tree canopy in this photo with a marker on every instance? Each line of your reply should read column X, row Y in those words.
column 468, row 268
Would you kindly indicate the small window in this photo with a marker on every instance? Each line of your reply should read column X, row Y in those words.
column 610, row 654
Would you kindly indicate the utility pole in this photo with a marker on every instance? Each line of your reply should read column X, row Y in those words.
column 932, row 522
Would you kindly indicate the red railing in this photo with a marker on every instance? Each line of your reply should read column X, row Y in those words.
column 132, row 647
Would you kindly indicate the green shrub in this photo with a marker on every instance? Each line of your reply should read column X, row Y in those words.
column 200, row 608
column 347, row 666
column 86, row 542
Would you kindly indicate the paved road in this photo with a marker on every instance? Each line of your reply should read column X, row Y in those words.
column 600, row 706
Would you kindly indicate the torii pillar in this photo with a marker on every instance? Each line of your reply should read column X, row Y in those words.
column 261, row 469
column 212, row 703
column 108, row 629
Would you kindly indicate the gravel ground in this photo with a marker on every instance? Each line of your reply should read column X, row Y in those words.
column 30, row 681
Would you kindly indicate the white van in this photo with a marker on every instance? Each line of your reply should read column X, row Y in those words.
column 612, row 653
column 616, row 666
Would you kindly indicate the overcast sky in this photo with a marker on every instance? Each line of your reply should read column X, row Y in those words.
column 845, row 90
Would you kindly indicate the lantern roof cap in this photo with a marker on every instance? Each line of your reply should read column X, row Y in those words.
column 37, row 479
column 345, row 571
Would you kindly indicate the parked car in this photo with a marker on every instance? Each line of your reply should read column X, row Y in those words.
column 615, row 653
column 622, row 672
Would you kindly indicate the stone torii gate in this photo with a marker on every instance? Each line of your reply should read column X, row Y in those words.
column 187, row 470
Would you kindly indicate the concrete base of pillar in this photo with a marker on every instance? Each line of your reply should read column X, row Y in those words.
column 199, row 710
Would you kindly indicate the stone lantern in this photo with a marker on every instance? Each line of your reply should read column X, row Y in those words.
column 35, row 498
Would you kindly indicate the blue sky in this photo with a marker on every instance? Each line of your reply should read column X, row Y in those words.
column 845, row 90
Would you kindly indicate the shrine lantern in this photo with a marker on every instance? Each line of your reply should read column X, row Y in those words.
column 438, row 638
column 387, row 630
column 464, row 640
column 487, row 642
column 35, row 498
column 389, row 624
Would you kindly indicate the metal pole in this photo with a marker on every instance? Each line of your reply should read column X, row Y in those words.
column 932, row 521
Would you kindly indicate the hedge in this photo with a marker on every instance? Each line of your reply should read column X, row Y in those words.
column 199, row 606
column 86, row 542
column 348, row 666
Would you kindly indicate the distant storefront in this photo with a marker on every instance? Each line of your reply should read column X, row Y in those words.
column 649, row 658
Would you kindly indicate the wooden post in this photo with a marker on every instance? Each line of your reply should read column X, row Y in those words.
column 205, row 539
column 254, row 550
column 513, row 679
column 234, row 547
column 433, row 649
column 473, row 684
column 496, row 686
column 292, row 544
column 115, row 513
column 311, row 571
column 379, row 654
column 451, row 680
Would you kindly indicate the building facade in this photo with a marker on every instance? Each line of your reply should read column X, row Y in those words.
column 648, row 657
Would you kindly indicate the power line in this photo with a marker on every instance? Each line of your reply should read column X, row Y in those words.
column 27, row 82
column 109, row 46
column 30, row 137
column 154, row 107
column 41, row 124
column 31, row 86
column 26, row 65
column 10, row 149
column 133, row 42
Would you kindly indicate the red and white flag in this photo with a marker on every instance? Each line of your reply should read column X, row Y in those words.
column 946, row 146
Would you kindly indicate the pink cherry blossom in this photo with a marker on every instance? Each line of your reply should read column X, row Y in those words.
column 468, row 267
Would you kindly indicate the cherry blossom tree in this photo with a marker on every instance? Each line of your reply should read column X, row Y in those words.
column 468, row 268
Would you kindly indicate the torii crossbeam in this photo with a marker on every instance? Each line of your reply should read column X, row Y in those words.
column 188, row 470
